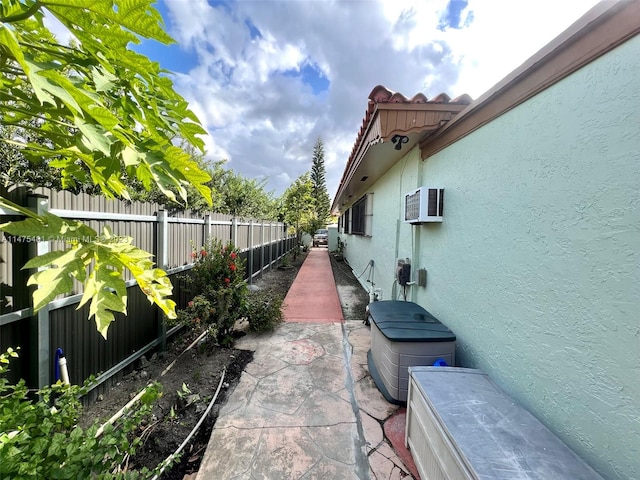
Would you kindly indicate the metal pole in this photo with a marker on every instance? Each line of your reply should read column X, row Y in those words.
column 234, row 230
column 207, row 229
column 261, row 248
column 162, row 262
column 250, row 252
column 40, row 326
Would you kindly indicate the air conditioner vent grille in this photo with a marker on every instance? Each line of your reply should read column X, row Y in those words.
column 424, row 205
column 412, row 206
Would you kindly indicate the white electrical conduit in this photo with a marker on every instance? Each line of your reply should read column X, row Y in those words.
column 64, row 371
column 202, row 335
column 195, row 429
column 121, row 412
column 124, row 409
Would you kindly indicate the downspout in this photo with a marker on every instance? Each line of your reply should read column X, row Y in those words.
column 417, row 237
column 394, row 288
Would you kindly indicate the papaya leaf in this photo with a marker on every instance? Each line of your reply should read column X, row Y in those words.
column 5, row 203
column 107, row 291
column 94, row 137
column 103, row 79
column 104, row 112
column 44, row 259
column 9, row 41
column 191, row 171
column 56, row 280
column 46, row 227
column 45, row 88
column 153, row 282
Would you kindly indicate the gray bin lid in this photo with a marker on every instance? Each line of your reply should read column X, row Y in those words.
column 408, row 322
column 497, row 437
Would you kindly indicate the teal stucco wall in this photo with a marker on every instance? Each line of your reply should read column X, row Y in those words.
column 536, row 266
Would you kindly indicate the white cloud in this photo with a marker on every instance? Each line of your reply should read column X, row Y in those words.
column 263, row 114
column 503, row 35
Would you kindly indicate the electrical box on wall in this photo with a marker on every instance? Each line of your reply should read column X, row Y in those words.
column 424, row 205
column 422, row 277
column 403, row 271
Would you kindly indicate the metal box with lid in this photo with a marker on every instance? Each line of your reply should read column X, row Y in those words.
column 461, row 426
column 403, row 334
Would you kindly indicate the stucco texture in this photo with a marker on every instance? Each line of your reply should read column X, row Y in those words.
column 536, row 264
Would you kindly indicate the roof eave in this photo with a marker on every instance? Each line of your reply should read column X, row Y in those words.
column 385, row 121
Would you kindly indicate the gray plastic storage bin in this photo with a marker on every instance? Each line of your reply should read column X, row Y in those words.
column 404, row 334
column 460, row 426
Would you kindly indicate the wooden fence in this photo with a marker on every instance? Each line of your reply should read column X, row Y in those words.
column 170, row 238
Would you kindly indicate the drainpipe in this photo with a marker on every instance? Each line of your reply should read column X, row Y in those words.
column 61, row 367
column 394, row 287
column 417, row 261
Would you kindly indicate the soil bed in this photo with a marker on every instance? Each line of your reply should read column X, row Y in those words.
column 180, row 407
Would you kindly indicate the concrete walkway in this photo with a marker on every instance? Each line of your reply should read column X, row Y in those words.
column 313, row 297
column 305, row 408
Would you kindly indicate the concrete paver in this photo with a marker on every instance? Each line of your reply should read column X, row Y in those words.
column 306, row 407
column 313, row 297
column 288, row 421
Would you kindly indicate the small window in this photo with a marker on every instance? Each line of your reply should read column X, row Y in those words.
column 358, row 212
column 362, row 215
column 346, row 224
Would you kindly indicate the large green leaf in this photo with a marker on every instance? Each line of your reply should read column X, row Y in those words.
column 49, row 227
column 101, row 110
column 135, row 15
column 107, row 292
column 94, row 137
column 103, row 79
column 56, row 279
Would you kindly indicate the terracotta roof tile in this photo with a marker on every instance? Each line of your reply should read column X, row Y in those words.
column 382, row 95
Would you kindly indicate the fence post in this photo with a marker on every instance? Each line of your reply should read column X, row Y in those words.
column 250, row 252
column 162, row 261
column 261, row 247
column 207, row 229
column 234, row 231
column 270, row 245
column 278, row 241
column 40, row 328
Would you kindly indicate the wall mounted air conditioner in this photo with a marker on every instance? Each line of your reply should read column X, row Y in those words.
column 423, row 205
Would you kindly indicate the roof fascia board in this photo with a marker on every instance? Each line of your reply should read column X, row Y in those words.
column 368, row 139
column 600, row 30
column 427, row 107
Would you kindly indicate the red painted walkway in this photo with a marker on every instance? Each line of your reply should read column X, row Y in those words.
column 313, row 297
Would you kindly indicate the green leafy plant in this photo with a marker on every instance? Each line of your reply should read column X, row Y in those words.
column 298, row 206
column 263, row 310
column 219, row 290
column 106, row 256
column 184, row 391
column 40, row 437
column 105, row 115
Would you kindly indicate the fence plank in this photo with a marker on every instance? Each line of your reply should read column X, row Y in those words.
column 169, row 237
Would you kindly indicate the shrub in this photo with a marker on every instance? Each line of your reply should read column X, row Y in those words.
column 218, row 288
column 200, row 314
column 40, row 437
column 263, row 310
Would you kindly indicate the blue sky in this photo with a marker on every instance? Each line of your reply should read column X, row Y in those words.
column 268, row 77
